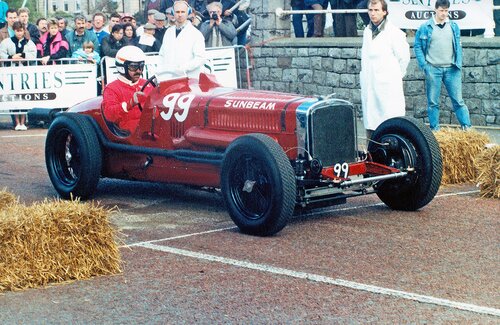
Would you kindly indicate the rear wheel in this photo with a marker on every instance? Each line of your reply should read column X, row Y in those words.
column 407, row 144
column 73, row 156
column 258, row 185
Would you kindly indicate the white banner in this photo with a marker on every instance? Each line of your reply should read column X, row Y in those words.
column 64, row 85
column 468, row 14
column 46, row 86
column 220, row 62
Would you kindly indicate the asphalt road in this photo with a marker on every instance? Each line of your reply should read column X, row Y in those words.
column 185, row 262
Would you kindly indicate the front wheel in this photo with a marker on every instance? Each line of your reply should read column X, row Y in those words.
column 73, row 156
column 258, row 185
column 407, row 144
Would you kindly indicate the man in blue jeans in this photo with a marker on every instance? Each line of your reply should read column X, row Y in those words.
column 439, row 55
column 298, row 28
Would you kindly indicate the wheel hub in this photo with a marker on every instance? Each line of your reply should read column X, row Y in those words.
column 248, row 186
column 397, row 152
column 68, row 156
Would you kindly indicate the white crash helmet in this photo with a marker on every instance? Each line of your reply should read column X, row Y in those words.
column 128, row 54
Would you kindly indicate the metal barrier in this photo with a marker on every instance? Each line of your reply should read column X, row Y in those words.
column 222, row 63
column 226, row 63
column 37, row 61
column 109, row 73
column 26, row 84
column 281, row 13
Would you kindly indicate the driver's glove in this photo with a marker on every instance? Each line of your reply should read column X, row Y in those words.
column 136, row 97
column 135, row 100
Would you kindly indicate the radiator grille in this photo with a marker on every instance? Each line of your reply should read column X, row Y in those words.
column 176, row 128
column 333, row 134
column 262, row 121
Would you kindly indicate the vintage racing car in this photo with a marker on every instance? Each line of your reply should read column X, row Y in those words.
column 268, row 152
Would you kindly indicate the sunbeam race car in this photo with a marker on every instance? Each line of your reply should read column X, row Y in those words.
column 269, row 153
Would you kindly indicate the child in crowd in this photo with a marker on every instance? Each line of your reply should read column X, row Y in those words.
column 87, row 53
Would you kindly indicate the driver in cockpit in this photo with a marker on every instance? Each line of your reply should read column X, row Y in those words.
column 122, row 97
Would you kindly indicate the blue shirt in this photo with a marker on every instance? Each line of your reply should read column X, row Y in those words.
column 100, row 35
column 423, row 39
column 3, row 11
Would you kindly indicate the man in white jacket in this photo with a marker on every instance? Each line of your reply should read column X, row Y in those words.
column 384, row 58
column 183, row 49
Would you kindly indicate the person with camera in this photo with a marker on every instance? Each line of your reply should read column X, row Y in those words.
column 217, row 31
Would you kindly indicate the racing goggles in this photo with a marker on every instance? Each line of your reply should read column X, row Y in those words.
column 134, row 66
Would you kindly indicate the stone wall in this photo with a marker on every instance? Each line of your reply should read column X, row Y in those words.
column 331, row 65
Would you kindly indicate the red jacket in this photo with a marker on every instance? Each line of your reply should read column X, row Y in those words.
column 117, row 97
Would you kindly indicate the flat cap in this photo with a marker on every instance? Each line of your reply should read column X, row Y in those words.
column 149, row 26
column 160, row 16
column 126, row 15
column 152, row 11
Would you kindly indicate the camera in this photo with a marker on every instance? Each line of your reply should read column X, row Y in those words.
column 214, row 16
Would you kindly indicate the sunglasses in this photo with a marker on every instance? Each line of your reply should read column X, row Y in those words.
column 136, row 66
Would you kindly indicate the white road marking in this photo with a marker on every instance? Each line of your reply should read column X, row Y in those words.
column 304, row 215
column 180, row 236
column 324, row 279
column 315, row 277
column 458, row 193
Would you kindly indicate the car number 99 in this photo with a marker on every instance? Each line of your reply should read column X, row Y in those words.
column 176, row 100
column 341, row 170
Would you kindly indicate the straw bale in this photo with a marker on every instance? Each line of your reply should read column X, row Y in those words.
column 488, row 171
column 55, row 241
column 458, row 150
column 6, row 199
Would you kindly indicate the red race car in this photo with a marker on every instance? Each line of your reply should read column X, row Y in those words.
column 268, row 152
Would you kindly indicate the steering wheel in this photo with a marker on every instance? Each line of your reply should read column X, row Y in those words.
column 151, row 80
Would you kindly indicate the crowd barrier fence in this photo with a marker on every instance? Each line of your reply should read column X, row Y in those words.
column 27, row 84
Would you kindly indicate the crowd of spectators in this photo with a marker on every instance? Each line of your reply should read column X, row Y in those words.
column 346, row 24
column 218, row 21
column 93, row 37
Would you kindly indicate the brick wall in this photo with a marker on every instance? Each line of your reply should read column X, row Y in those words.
column 331, row 65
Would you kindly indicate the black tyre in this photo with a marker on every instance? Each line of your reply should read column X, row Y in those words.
column 73, row 156
column 409, row 144
column 258, row 185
